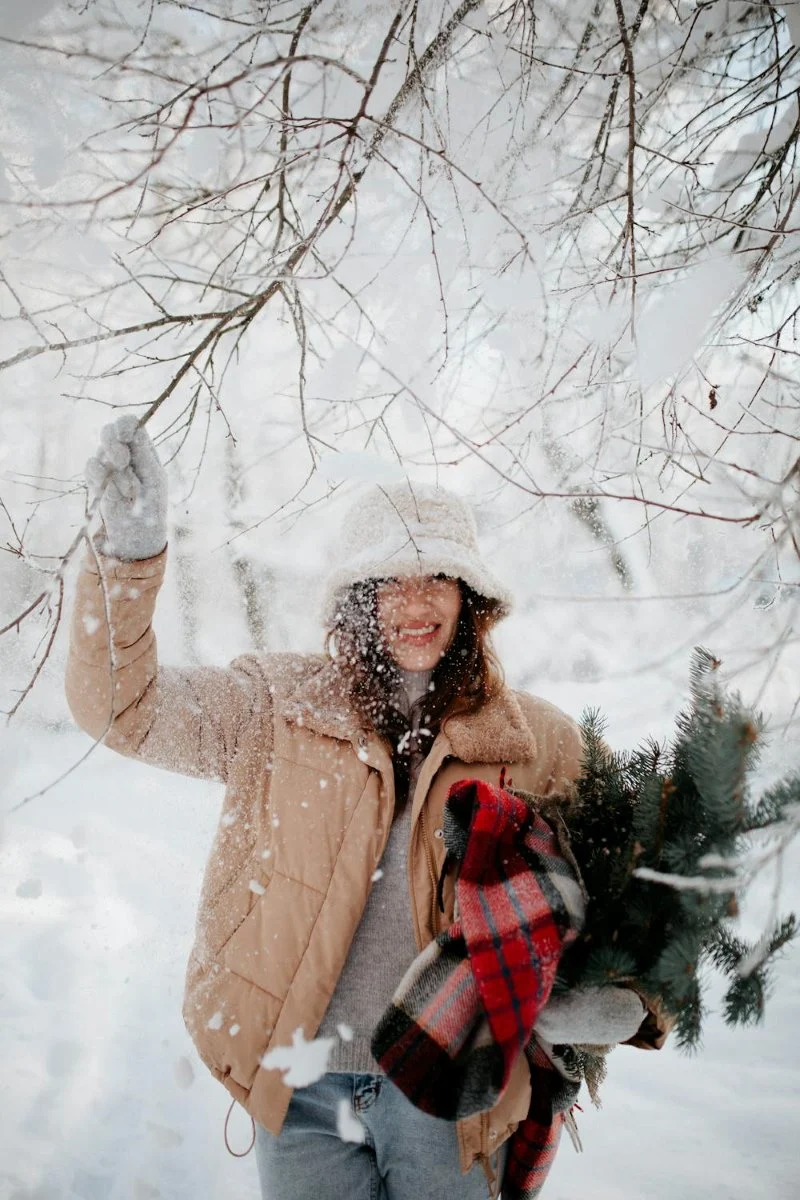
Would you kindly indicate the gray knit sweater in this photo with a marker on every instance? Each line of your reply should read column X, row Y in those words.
column 383, row 947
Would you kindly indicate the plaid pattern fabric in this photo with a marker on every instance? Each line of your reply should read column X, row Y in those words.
column 534, row 1143
column 468, row 1004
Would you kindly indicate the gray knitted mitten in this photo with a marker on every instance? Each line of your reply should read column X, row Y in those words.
column 132, row 485
column 596, row 1016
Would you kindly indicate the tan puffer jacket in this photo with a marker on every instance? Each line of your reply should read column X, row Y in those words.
column 307, row 813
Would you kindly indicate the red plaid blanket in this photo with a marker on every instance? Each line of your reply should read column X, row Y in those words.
column 468, row 1004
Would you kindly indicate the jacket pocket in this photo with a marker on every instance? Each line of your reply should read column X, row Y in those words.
column 219, row 920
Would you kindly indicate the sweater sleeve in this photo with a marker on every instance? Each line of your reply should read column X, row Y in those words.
column 189, row 721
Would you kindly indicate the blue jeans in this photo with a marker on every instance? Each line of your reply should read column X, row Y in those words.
column 404, row 1154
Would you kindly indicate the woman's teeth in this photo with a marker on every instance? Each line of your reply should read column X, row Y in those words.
column 425, row 631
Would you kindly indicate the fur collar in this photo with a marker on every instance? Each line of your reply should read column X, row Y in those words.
column 496, row 733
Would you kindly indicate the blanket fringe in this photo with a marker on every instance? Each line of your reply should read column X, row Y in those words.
column 572, row 1129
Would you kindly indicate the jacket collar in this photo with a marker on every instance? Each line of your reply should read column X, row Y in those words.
column 496, row 733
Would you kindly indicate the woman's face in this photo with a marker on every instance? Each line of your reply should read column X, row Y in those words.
column 417, row 617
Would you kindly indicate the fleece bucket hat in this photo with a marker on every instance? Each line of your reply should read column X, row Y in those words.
column 404, row 529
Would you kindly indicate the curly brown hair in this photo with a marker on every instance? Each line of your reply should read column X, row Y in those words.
column 467, row 675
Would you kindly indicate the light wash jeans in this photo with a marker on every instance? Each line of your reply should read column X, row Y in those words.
column 405, row 1154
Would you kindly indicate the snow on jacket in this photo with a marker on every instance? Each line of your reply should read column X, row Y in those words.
column 308, row 807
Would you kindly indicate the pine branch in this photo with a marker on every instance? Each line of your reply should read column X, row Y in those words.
column 660, row 836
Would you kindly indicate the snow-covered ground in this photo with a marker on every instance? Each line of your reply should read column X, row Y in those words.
column 103, row 1097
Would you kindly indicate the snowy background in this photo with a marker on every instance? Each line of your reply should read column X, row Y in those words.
column 470, row 325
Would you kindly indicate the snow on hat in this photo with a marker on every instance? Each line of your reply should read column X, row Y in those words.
column 409, row 528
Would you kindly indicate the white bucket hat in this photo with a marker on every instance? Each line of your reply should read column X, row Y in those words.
column 406, row 529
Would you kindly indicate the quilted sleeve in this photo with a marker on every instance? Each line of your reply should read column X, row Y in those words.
column 189, row 721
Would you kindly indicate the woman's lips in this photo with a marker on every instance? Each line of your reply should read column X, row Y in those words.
column 421, row 635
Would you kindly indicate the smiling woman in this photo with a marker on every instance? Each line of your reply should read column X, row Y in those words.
column 417, row 619
column 410, row 608
column 327, row 878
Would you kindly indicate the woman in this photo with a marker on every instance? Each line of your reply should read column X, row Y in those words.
column 320, row 889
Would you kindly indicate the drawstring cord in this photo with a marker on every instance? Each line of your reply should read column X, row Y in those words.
column 238, row 1153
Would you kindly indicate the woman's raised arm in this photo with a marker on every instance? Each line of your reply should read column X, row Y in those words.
column 189, row 721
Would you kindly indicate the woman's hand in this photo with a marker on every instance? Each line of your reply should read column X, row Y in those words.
column 132, row 485
column 595, row 1016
